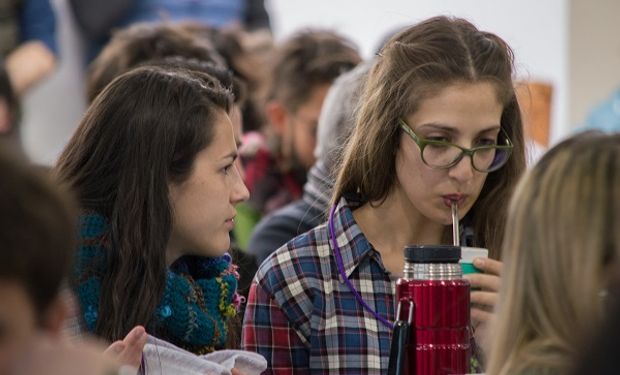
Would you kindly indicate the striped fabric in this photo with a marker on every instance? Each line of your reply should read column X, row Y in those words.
column 302, row 317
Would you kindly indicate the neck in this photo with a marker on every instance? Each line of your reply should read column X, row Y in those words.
column 173, row 252
column 395, row 223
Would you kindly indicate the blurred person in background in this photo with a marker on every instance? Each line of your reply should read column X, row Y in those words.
column 37, row 233
column 10, row 114
column 98, row 19
column 277, row 159
column 560, row 255
column 335, row 125
column 27, row 41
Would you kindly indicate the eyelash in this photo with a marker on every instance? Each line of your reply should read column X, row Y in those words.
column 486, row 141
column 438, row 138
column 226, row 169
column 480, row 141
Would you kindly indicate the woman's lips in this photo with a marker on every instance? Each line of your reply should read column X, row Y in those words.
column 450, row 199
column 230, row 223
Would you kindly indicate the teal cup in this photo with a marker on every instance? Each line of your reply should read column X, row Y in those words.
column 468, row 254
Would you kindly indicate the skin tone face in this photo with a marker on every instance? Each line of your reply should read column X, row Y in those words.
column 418, row 207
column 302, row 126
column 204, row 204
column 467, row 115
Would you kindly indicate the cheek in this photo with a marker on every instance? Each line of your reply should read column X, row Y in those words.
column 201, row 219
column 190, row 209
column 412, row 172
column 479, row 183
column 197, row 207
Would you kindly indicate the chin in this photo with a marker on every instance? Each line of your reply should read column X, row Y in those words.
column 445, row 216
column 439, row 216
column 220, row 250
column 446, row 221
column 213, row 249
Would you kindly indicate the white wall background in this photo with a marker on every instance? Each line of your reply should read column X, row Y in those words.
column 594, row 55
column 53, row 109
column 536, row 30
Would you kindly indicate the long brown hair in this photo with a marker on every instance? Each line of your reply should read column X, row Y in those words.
column 306, row 60
column 140, row 134
column 560, row 253
column 416, row 64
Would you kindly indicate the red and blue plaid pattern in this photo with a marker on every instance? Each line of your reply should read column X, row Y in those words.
column 302, row 317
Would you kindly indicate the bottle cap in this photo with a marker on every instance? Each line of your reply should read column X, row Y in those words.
column 432, row 254
column 468, row 254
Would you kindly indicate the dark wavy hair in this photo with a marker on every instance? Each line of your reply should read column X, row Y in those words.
column 141, row 133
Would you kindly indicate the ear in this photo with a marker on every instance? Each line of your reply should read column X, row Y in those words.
column 57, row 313
column 5, row 117
column 277, row 115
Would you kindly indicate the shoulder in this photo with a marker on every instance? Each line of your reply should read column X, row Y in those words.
column 295, row 276
column 280, row 227
column 306, row 259
column 285, row 220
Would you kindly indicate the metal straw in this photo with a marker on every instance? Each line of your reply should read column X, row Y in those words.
column 456, row 237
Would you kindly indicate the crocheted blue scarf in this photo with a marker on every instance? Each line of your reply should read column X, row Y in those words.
column 199, row 296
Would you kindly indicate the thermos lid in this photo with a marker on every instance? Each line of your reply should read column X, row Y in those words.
column 432, row 254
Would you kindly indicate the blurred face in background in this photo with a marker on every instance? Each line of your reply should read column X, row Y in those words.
column 297, row 129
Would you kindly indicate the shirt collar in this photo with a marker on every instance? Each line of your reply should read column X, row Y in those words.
column 354, row 247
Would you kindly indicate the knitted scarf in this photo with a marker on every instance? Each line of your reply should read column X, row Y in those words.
column 199, row 295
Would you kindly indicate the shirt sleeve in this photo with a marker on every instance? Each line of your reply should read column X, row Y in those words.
column 267, row 331
column 256, row 15
column 38, row 22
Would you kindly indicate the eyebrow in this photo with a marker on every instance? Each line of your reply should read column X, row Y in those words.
column 233, row 154
column 451, row 129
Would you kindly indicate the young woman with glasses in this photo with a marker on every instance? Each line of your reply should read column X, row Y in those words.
column 438, row 124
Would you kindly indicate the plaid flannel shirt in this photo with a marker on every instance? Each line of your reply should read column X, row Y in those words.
column 303, row 318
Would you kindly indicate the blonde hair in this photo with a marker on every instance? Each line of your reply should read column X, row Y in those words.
column 416, row 64
column 563, row 233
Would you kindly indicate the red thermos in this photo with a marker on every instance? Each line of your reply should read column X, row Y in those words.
column 437, row 340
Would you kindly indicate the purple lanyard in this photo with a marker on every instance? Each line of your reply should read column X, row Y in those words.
column 340, row 264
